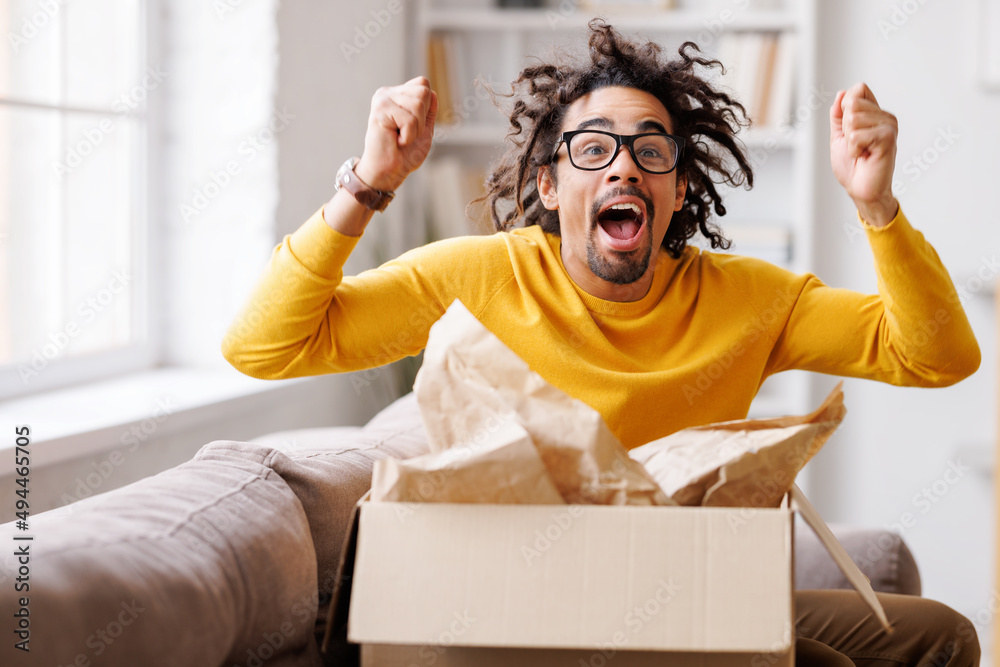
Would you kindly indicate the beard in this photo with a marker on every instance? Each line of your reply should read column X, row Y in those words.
column 621, row 268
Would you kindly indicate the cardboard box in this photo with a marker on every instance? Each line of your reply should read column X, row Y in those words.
column 441, row 584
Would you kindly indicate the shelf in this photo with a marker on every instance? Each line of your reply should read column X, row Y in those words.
column 542, row 20
column 488, row 135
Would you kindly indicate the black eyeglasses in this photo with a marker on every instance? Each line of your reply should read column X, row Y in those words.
column 590, row 150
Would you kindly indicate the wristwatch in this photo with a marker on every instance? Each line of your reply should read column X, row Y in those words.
column 374, row 199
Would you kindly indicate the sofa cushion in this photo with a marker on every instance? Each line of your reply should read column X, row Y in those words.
column 331, row 469
column 881, row 555
column 208, row 563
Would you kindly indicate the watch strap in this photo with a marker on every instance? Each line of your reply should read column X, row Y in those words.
column 376, row 200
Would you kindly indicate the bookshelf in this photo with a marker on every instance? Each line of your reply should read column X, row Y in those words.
column 456, row 42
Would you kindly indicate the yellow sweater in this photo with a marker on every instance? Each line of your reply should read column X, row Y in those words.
column 694, row 350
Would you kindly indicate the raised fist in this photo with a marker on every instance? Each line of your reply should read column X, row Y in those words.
column 400, row 129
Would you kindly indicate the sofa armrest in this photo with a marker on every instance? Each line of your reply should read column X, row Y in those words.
column 208, row 563
column 881, row 555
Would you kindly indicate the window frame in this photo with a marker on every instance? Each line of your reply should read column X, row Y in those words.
column 143, row 351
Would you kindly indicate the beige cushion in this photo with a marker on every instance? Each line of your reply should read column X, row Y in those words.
column 881, row 555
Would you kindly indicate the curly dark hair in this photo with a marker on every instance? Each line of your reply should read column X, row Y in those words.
column 707, row 119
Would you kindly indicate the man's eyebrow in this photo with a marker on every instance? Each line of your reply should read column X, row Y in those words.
column 651, row 126
column 595, row 122
column 644, row 126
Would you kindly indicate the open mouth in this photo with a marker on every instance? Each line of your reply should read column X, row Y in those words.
column 622, row 221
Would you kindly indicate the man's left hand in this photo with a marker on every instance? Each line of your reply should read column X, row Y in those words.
column 863, row 152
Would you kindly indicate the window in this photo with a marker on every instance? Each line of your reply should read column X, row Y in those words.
column 73, row 125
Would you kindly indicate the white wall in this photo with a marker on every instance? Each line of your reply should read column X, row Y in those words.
column 896, row 442
column 327, row 75
column 329, row 92
column 262, row 108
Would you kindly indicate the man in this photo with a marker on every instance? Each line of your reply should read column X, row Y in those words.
column 613, row 170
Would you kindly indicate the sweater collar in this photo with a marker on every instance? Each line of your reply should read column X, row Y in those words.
column 667, row 268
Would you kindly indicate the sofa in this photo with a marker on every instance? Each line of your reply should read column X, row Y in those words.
column 231, row 557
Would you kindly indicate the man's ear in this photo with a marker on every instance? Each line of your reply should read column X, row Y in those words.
column 547, row 189
column 680, row 192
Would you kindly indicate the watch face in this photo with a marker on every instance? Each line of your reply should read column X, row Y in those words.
column 344, row 168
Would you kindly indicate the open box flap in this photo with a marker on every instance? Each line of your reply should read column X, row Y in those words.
column 801, row 504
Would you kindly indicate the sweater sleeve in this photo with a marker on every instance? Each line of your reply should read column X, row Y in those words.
column 914, row 332
column 306, row 318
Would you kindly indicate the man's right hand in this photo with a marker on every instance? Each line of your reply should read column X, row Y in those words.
column 400, row 129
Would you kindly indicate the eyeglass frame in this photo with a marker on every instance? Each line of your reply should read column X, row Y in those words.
column 627, row 139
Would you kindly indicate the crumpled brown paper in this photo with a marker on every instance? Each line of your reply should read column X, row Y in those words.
column 470, row 388
column 504, row 469
column 746, row 463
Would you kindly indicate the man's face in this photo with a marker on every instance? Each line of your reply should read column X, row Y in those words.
column 612, row 221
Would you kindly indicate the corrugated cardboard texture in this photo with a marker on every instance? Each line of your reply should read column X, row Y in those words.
column 588, row 577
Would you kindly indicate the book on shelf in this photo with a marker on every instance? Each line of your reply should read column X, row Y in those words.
column 782, row 90
column 446, row 71
column 440, row 64
column 760, row 74
column 764, row 78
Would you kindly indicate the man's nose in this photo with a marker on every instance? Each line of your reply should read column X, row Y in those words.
column 624, row 168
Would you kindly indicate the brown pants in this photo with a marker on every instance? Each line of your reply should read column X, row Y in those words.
column 835, row 627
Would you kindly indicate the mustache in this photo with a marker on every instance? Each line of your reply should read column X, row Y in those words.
column 626, row 191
